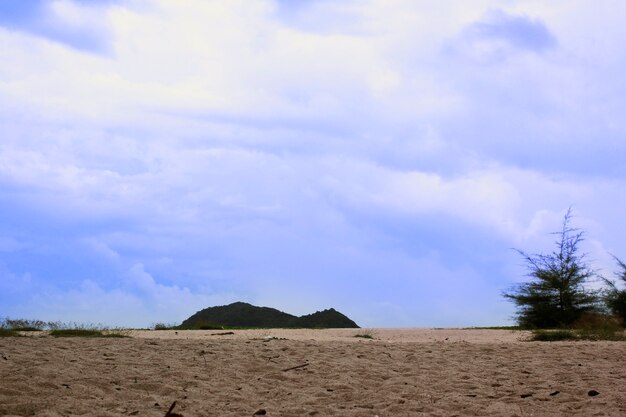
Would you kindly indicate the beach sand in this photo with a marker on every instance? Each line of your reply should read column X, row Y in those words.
column 401, row 372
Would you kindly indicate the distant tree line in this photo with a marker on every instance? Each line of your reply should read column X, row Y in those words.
column 559, row 292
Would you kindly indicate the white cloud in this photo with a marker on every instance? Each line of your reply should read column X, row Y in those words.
column 216, row 136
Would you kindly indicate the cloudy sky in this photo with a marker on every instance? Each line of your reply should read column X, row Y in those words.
column 377, row 156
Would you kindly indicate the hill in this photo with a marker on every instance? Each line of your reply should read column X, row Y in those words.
column 247, row 315
column 328, row 319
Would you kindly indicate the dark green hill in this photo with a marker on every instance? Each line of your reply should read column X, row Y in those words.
column 330, row 318
column 246, row 315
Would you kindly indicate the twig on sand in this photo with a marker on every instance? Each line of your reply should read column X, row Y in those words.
column 169, row 412
column 202, row 353
column 295, row 367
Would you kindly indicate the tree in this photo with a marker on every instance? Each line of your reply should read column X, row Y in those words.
column 555, row 296
column 614, row 297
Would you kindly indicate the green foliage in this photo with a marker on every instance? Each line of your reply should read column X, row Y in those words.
column 23, row 325
column 8, row 332
column 575, row 335
column 76, row 333
column 325, row 319
column 591, row 326
column 555, row 297
column 595, row 326
column 12, row 327
column 237, row 314
column 601, row 334
column 553, row 335
column 87, row 333
column 493, row 328
column 206, row 326
column 614, row 297
column 163, row 326
column 364, row 336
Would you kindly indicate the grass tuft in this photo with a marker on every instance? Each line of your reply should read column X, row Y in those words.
column 591, row 326
column 8, row 332
column 76, row 333
column 576, row 334
column 165, row 326
column 22, row 325
column 495, row 328
column 553, row 335
column 87, row 333
column 364, row 336
column 602, row 335
column 12, row 327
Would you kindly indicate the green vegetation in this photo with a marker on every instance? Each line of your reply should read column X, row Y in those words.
column 75, row 333
column 495, row 328
column 87, row 333
column 237, row 314
column 553, row 335
column 163, row 326
column 599, row 327
column 243, row 315
column 364, row 336
column 556, row 295
column 216, row 327
column 13, row 327
column 591, row 326
column 574, row 334
column 558, row 298
column 8, row 332
column 325, row 319
column 22, row 325
column 615, row 297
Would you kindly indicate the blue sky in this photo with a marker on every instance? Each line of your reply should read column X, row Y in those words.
column 379, row 157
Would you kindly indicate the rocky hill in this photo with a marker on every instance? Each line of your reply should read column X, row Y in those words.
column 246, row 315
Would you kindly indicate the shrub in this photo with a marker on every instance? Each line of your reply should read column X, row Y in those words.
column 591, row 326
column 614, row 297
column 163, row 326
column 12, row 327
column 76, row 333
column 8, row 332
column 599, row 327
column 25, row 325
column 599, row 322
column 86, row 333
column 553, row 335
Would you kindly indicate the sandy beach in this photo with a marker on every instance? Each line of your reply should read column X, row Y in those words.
column 400, row 372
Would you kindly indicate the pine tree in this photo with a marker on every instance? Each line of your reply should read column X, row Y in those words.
column 615, row 298
column 556, row 295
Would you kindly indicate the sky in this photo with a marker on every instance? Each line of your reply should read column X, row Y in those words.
column 382, row 157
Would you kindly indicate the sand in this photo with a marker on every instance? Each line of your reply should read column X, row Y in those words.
column 404, row 372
